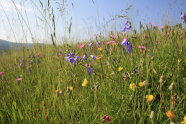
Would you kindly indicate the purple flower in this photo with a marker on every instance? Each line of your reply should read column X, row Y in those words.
column 90, row 45
column 90, row 70
column 21, row 62
column 99, row 43
column 93, row 57
column 127, row 45
column 127, row 26
column 183, row 17
column 72, row 58
column 84, row 57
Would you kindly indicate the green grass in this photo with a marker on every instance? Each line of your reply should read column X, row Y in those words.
column 33, row 98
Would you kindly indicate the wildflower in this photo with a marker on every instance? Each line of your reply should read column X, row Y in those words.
column 93, row 57
column 90, row 70
column 142, row 47
column 132, row 86
column 18, row 79
column 85, row 82
column 100, row 49
column 152, row 24
column 21, row 62
column 98, row 58
column 1, row 73
column 141, row 84
column 99, row 43
column 112, row 36
column 162, row 27
column 171, row 115
column 70, row 88
column 183, row 17
column 106, row 118
column 128, row 46
column 110, row 42
column 81, row 45
column 184, row 120
column 150, row 98
column 84, row 57
column 90, row 45
column 127, row 26
column 120, row 68
column 72, row 58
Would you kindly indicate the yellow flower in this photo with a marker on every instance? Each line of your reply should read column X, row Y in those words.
column 114, row 44
column 150, row 98
column 85, row 82
column 184, row 120
column 100, row 49
column 171, row 115
column 141, row 84
column 70, row 88
column 132, row 86
column 98, row 58
column 120, row 68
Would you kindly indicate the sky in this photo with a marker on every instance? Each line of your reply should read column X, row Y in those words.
column 25, row 20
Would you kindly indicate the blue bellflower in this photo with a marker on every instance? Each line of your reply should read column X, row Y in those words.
column 72, row 58
column 183, row 17
column 127, row 45
column 127, row 26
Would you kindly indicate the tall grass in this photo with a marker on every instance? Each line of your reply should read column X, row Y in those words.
column 50, row 88
column 43, row 96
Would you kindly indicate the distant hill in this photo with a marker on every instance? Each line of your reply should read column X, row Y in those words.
column 7, row 45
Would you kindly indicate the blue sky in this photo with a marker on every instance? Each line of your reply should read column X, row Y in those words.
column 88, row 18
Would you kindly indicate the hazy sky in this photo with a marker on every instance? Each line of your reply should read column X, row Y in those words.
column 23, row 19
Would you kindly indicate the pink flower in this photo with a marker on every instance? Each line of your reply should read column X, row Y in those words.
column 1, row 73
column 81, row 45
column 152, row 23
column 110, row 42
column 18, row 79
column 112, row 36
column 162, row 27
column 106, row 118
column 142, row 47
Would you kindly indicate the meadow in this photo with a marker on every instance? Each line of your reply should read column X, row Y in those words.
column 119, row 79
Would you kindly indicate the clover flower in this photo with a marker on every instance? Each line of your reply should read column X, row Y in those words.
column 106, row 118
column 1, row 73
